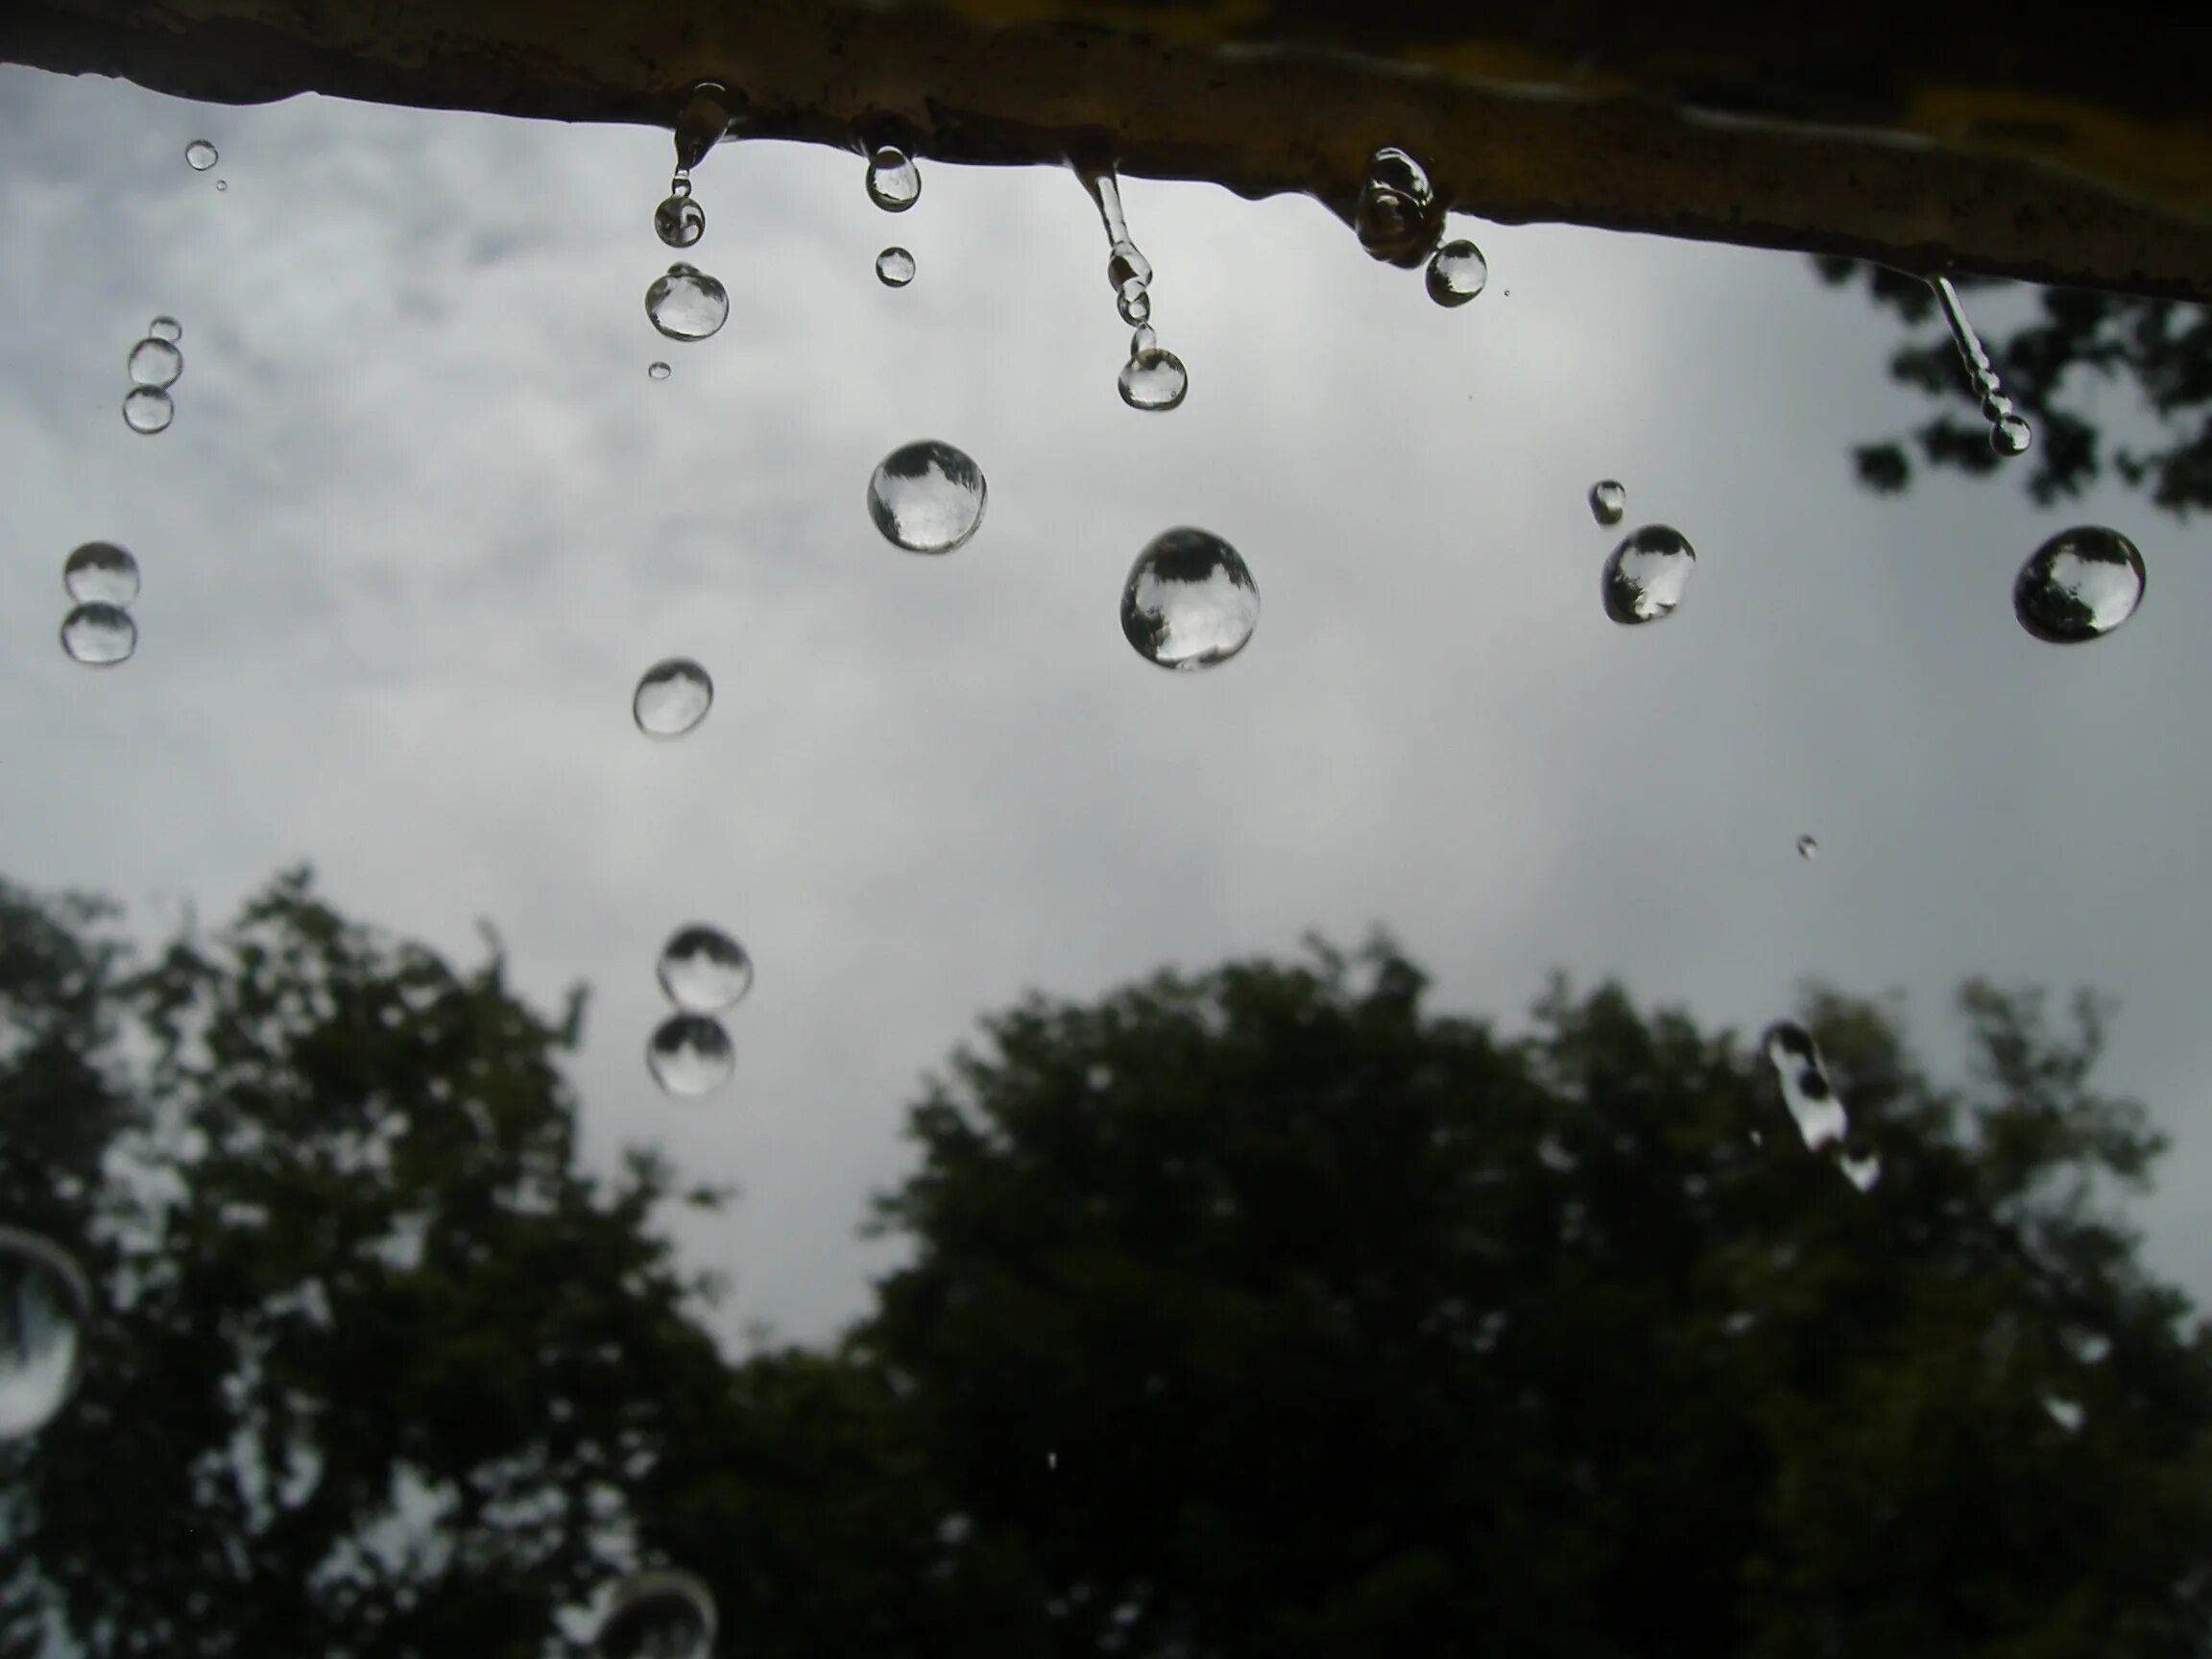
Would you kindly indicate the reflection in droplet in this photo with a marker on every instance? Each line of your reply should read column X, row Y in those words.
column 154, row 362
column 689, row 1054
column 1807, row 849
column 656, row 371
column 1608, row 501
column 1456, row 272
column 927, row 497
column 1397, row 217
column 672, row 697
column 99, row 634
column 148, row 409
column 686, row 304
column 1154, row 379
column 200, row 156
column 100, row 572
column 2078, row 585
column 703, row 969
column 679, row 221
column 1805, row 1087
column 1645, row 576
column 894, row 180
column 894, row 267
column 658, row 1616
column 1190, row 601
column 166, row 328
column 45, row 1303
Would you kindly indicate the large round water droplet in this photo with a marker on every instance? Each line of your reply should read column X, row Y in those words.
column 927, row 497
column 658, row 1616
column 703, row 969
column 1645, row 574
column 689, row 1054
column 1190, row 601
column 154, row 362
column 148, row 409
column 166, row 328
column 200, row 156
column 2011, row 436
column 99, row 634
column 1456, row 272
column 1608, row 501
column 45, row 1303
column 679, row 221
column 672, row 697
column 2080, row 585
column 1397, row 217
column 686, row 304
column 894, row 267
column 1154, row 379
column 102, row 573
column 656, row 370
column 894, row 181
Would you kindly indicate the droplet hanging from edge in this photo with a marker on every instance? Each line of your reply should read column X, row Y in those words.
column 166, row 328
column 679, row 221
column 200, row 156
column 99, row 634
column 2078, row 585
column 154, row 362
column 690, row 1054
column 658, row 1616
column 148, row 409
column 44, row 1305
column 894, row 180
column 703, row 971
column 1396, row 217
column 1190, row 602
column 1456, row 272
column 2011, row 436
column 894, row 267
column 1805, row 1087
column 672, row 697
column 1645, row 577
column 1807, row 849
column 1154, row 380
column 100, row 573
column 656, row 370
column 927, row 497
column 1608, row 501
column 702, row 122
column 686, row 304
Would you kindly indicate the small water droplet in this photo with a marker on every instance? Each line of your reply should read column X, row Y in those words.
column 200, row 156
column 1807, row 849
column 1154, row 379
column 656, row 371
column 894, row 267
column 154, row 362
column 894, row 180
column 2067, row 1413
column 1805, row 1087
column 1397, row 217
column 1863, row 1170
column 1135, row 306
column 927, row 497
column 658, row 1616
column 1645, row 576
column 703, row 969
column 1456, row 272
column 702, row 122
column 2011, row 436
column 101, row 573
column 686, row 304
column 2078, row 585
column 99, row 634
column 2088, row 1346
column 679, row 221
column 222, row 183
column 1608, row 501
column 1143, row 339
column 689, row 1053
column 148, row 409
column 166, row 328
column 44, row 1304
column 1190, row 601
column 672, row 697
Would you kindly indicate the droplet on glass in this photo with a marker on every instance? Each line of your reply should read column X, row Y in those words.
column 2078, row 585
column 1154, row 379
column 154, row 362
column 1645, row 576
column 672, row 697
column 44, row 1304
column 1807, row 849
column 200, row 156
column 689, row 1054
column 99, row 634
column 1190, row 601
column 1805, row 1087
column 927, row 497
column 894, row 180
column 894, row 267
column 1397, row 217
column 1456, row 272
column 703, row 969
column 656, row 370
column 166, row 328
column 679, row 221
column 658, row 1616
column 100, row 572
column 148, row 409
column 1608, row 501
column 686, row 304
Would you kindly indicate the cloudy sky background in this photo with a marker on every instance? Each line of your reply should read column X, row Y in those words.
column 423, row 519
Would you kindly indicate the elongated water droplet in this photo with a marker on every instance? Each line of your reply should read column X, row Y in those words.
column 45, row 1303
column 1190, row 601
column 927, row 497
column 658, row 1616
column 679, row 221
column 1645, row 575
column 154, row 362
column 99, row 634
column 2008, row 433
column 1807, row 849
column 686, row 304
column 702, row 122
column 1805, row 1087
column 703, row 969
column 1608, row 501
column 672, row 697
column 894, row 180
column 1126, row 267
column 1456, row 272
column 200, row 156
column 1397, row 217
column 166, row 328
column 2078, row 585
column 689, row 1054
column 1154, row 379
column 148, row 409
column 656, row 371
column 101, row 573
column 894, row 267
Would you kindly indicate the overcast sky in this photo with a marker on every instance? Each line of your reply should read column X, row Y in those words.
column 423, row 519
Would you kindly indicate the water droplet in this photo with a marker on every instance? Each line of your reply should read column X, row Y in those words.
column 689, row 1054
column 1143, row 339
column 2078, row 585
column 200, row 156
column 894, row 180
column 1805, row 1087
column 702, row 122
column 679, row 221
column 1645, row 576
column 658, row 1616
column 1126, row 267
column 1135, row 306
column 1154, row 379
column 2008, row 433
column 672, row 697
column 2088, row 1346
column 894, row 267
column 656, row 371
column 99, row 634
column 1190, row 601
column 1456, row 272
column 1863, row 1170
column 1608, row 501
column 166, row 328
column 1807, row 849
column 927, row 497
column 2067, row 1413
column 2011, row 436
column 1397, row 217
column 45, row 1303
column 154, row 362
column 222, row 183
column 686, row 304
column 148, row 409
column 703, row 969
column 101, row 573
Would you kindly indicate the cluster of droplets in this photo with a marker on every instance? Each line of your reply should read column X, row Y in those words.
column 894, row 185
column 44, row 1305
column 1643, row 578
column 1812, row 1102
column 1399, row 220
column 658, row 1616
column 684, row 302
column 153, row 366
column 2008, row 433
column 101, row 580
column 704, row 972
column 1153, row 379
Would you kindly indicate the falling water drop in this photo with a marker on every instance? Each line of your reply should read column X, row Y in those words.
column 894, row 267
column 148, row 409
column 1456, row 272
column 1190, row 601
column 1154, row 379
column 222, row 183
column 672, row 697
column 99, row 634
column 1397, row 216
column 1608, row 501
column 1807, row 849
column 166, row 328
column 1143, row 339
column 1135, row 306
column 679, row 221
column 2067, row 1413
column 703, row 969
column 2078, row 585
column 686, row 304
column 200, row 156
column 2010, row 436
column 44, row 1304
column 1645, row 576
column 656, row 370
column 658, row 1616
column 927, row 497
column 101, row 573
column 2008, row 433
column 154, row 362
column 1805, row 1087
column 689, row 1054
column 894, row 180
